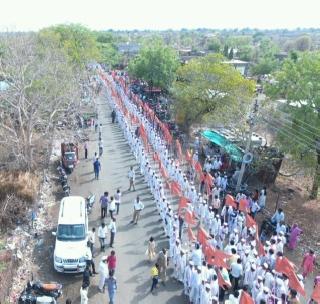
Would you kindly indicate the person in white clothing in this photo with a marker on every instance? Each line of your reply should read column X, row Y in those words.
column 102, row 235
column 84, row 294
column 103, row 273
column 131, row 176
column 206, row 297
column 117, row 200
column 112, row 206
column 137, row 208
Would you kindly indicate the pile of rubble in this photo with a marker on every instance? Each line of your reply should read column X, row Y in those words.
column 25, row 238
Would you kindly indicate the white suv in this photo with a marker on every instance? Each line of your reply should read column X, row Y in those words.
column 71, row 236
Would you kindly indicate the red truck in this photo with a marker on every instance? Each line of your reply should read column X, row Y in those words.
column 69, row 156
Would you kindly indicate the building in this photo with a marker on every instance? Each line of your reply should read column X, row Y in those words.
column 240, row 65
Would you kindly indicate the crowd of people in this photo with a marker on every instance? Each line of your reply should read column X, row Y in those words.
column 227, row 261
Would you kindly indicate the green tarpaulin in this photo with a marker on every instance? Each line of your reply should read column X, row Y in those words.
column 235, row 153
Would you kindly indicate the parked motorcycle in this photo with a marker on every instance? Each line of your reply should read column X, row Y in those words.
column 90, row 202
column 40, row 293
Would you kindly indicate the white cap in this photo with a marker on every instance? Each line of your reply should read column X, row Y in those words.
column 259, row 278
column 191, row 263
column 253, row 266
column 265, row 265
column 247, row 251
column 268, row 243
column 104, row 258
column 235, row 230
column 281, row 233
column 266, row 289
column 207, row 286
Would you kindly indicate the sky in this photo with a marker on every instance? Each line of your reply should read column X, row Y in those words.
column 26, row 15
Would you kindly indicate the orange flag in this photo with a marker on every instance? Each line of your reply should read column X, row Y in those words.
column 283, row 265
column 189, row 218
column 218, row 262
column 209, row 179
column 230, row 201
column 155, row 157
column 188, row 156
column 243, row 205
column 175, row 188
column 164, row 172
column 191, row 235
column 261, row 250
column 295, row 284
column 245, row 298
column 250, row 222
column 316, row 293
column 203, row 236
column 209, row 252
column 219, row 254
column 183, row 202
column 198, row 167
column 221, row 281
column 179, row 150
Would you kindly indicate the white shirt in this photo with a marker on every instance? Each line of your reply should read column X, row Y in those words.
column 112, row 205
column 91, row 236
column 138, row 205
column 131, row 174
column 236, row 270
column 84, row 296
column 102, row 232
column 88, row 254
column 112, row 227
column 196, row 257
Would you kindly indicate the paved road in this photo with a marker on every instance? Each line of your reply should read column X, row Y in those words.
column 133, row 271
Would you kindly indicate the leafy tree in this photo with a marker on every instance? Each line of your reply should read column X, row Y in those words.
column 298, row 83
column 207, row 85
column 303, row 43
column 42, row 88
column 226, row 51
column 214, row 45
column 156, row 64
column 264, row 66
column 78, row 42
column 245, row 52
column 230, row 56
column 109, row 55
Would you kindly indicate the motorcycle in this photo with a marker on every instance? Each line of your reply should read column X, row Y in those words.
column 90, row 201
column 40, row 293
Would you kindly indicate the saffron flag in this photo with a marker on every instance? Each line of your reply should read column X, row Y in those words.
column 175, row 188
column 250, row 222
column 221, row 281
column 203, row 236
column 230, row 201
column 189, row 217
column 179, row 149
column 155, row 157
column 243, row 205
column 245, row 298
column 283, row 265
column 209, row 179
column 191, row 235
column 198, row 167
column 295, row 284
column 163, row 172
column 188, row 156
column 183, row 202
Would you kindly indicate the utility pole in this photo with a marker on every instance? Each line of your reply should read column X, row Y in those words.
column 247, row 150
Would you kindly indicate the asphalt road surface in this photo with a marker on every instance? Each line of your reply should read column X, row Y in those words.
column 133, row 269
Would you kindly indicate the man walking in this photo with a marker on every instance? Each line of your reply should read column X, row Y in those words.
column 113, row 230
column 112, row 206
column 104, row 200
column 131, row 176
column 113, row 116
column 111, row 284
column 162, row 261
column 117, row 199
column 89, row 259
column 137, row 207
column 92, row 238
column 86, row 150
column 102, row 235
column 96, row 168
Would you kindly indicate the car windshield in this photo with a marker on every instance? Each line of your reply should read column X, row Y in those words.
column 70, row 155
column 71, row 232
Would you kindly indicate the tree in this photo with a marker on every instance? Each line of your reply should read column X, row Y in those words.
column 42, row 88
column 156, row 64
column 303, row 43
column 78, row 42
column 214, row 45
column 297, row 83
column 226, row 51
column 230, row 56
column 207, row 85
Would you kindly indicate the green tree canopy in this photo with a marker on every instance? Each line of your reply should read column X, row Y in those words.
column 78, row 42
column 214, row 45
column 156, row 64
column 207, row 85
column 299, row 135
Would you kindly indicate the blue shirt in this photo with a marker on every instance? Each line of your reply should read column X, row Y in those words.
column 96, row 165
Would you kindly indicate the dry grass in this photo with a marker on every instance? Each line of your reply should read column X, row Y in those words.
column 23, row 185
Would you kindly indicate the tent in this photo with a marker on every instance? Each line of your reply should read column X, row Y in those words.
column 234, row 151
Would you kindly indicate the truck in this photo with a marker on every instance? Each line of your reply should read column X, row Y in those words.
column 69, row 156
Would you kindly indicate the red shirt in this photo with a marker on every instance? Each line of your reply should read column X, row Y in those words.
column 112, row 261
